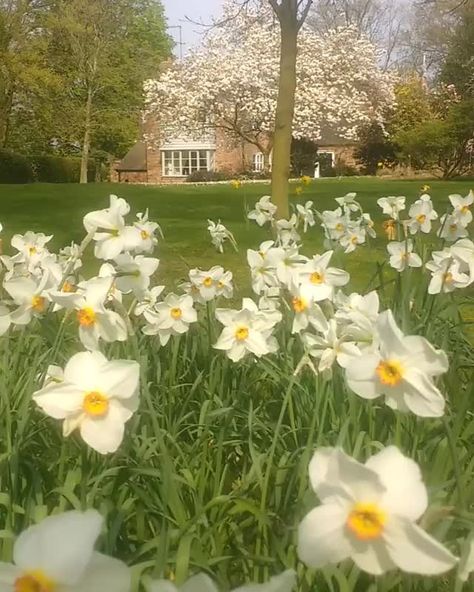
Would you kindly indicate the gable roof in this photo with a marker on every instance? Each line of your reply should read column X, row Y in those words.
column 135, row 159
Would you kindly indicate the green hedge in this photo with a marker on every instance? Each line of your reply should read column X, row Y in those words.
column 15, row 168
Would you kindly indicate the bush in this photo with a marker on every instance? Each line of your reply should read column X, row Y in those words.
column 255, row 175
column 208, row 176
column 60, row 169
column 15, row 168
column 345, row 170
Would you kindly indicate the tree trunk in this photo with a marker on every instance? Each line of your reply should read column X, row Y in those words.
column 284, row 116
column 86, row 143
column 266, row 161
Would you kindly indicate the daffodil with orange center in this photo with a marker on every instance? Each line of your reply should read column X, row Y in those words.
column 368, row 513
column 402, row 369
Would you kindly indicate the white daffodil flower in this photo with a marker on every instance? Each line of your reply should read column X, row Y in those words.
column 31, row 247
column 264, row 211
column 368, row 513
column 335, row 223
column 286, row 261
column 148, row 300
column 144, row 231
column 70, row 258
column 421, row 215
column 357, row 315
column 114, row 236
column 306, row 215
column 349, row 308
column 402, row 256
column 247, row 330
column 219, row 234
column 96, row 396
column 306, row 312
column 318, row 281
column 352, row 238
column 462, row 206
column 95, row 321
column 5, row 319
column 451, row 228
column 368, row 224
column 284, row 582
column 263, row 266
column 54, row 374
column 392, row 205
column 133, row 274
column 466, row 565
column 170, row 317
column 287, row 232
column 402, row 369
column 212, row 283
column 270, row 299
column 330, row 347
column 349, row 203
column 463, row 252
column 446, row 275
column 30, row 297
column 57, row 555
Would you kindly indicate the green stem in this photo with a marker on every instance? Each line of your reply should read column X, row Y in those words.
column 456, row 466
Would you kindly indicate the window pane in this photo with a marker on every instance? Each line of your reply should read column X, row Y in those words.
column 203, row 160
column 185, row 163
column 210, row 160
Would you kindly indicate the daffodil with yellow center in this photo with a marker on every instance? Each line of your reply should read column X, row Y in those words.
column 390, row 372
column 299, row 304
column 38, row 303
column 86, row 316
column 241, row 333
column 316, row 277
column 57, row 555
column 68, row 288
column 96, row 396
column 144, row 234
column 176, row 313
column 95, row 404
column 366, row 521
column 207, row 281
column 421, row 218
column 35, row 581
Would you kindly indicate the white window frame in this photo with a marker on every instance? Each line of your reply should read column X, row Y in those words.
column 172, row 162
column 258, row 162
column 332, row 153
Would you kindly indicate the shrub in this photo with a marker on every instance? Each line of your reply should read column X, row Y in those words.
column 208, row 176
column 60, row 169
column 341, row 169
column 255, row 175
column 15, row 168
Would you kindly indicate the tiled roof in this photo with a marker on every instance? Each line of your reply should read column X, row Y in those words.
column 135, row 159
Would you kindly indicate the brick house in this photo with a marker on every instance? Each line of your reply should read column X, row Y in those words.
column 172, row 161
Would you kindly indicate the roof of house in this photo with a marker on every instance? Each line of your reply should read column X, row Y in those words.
column 135, row 159
column 329, row 137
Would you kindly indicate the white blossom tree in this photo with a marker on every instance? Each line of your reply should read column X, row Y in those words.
column 232, row 81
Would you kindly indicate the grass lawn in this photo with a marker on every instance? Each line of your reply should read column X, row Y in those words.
column 183, row 210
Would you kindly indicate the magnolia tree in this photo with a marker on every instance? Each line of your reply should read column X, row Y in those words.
column 231, row 82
